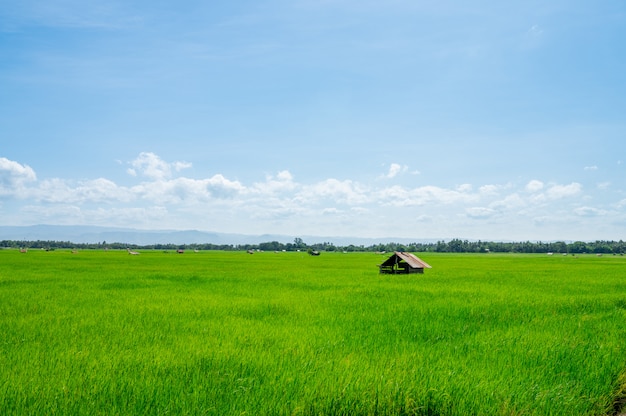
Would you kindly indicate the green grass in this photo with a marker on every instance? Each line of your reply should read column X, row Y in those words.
column 228, row 333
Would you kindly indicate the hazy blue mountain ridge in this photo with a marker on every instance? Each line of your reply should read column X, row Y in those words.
column 93, row 234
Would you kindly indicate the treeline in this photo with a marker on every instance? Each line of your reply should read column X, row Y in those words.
column 452, row 246
column 53, row 245
column 577, row 247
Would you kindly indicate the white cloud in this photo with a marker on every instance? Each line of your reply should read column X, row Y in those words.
column 283, row 182
column 152, row 166
column 489, row 189
column 534, row 186
column 402, row 197
column 219, row 185
column 14, row 176
column 15, row 170
column 54, row 190
column 188, row 190
column 345, row 192
column 591, row 168
column 99, row 190
column 172, row 191
column 480, row 212
column 102, row 190
column 563, row 191
column 510, row 202
column 553, row 192
column 178, row 166
column 395, row 169
column 284, row 175
column 589, row 211
column 331, row 211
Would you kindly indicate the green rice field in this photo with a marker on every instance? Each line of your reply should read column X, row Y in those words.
column 231, row 333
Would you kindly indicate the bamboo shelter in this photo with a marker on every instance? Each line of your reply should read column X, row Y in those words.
column 402, row 262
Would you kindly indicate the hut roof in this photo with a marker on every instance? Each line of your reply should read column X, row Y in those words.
column 413, row 261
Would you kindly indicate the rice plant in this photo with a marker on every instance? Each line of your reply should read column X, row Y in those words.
column 228, row 333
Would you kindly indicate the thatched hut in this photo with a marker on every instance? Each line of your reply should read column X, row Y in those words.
column 402, row 262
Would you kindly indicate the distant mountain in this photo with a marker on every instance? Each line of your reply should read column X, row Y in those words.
column 92, row 234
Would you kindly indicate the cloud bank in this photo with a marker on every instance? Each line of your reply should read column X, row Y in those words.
column 162, row 198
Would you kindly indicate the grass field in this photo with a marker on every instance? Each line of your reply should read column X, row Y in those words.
column 229, row 333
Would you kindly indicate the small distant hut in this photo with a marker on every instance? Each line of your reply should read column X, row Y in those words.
column 402, row 262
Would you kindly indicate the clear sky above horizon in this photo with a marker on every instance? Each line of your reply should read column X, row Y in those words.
column 416, row 119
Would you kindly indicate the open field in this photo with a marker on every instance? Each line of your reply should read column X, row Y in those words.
column 229, row 333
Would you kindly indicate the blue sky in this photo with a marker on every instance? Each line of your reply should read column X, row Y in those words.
column 414, row 119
